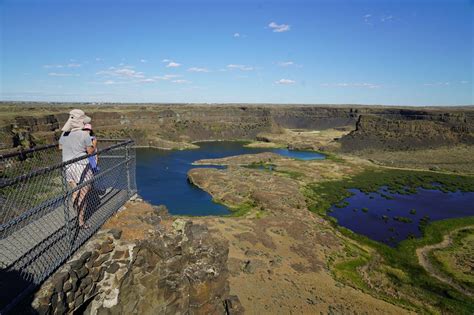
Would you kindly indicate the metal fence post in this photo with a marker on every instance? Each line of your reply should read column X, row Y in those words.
column 67, row 211
column 127, row 165
column 35, row 194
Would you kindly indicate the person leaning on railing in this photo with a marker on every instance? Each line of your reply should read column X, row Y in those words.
column 74, row 143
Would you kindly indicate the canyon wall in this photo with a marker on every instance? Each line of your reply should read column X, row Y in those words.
column 407, row 132
column 175, row 125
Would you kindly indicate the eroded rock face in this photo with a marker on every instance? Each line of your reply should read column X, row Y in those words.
column 410, row 132
column 176, row 126
column 173, row 126
column 178, row 273
column 143, row 262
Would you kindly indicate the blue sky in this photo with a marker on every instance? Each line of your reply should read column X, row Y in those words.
column 357, row 52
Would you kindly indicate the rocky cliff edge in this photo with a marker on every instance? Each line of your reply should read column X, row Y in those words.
column 143, row 262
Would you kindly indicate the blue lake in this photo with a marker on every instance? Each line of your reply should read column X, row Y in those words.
column 162, row 175
column 434, row 204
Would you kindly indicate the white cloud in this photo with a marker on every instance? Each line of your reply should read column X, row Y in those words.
column 437, row 84
column 195, row 69
column 130, row 73
column 167, row 77
column 55, row 74
column 279, row 28
column 386, row 18
column 368, row 19
column 143, row 60
column 363, row 85
column 239, row 35
column 148, row 80
column 446, row 83
column 114, row 82
column 52, row 66
column 181, row 81
column 286, row 63
column 285, row 81
column 173, row 64
column 98, row 59
column 73, row 65
column 125, row 72
column 240, row 67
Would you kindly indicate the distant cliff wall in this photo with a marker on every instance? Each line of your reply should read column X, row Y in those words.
column 187, row 123
column 410, row 131
column 376, row 127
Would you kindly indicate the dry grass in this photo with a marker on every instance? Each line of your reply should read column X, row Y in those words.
column 301, row 139
column 459, row 159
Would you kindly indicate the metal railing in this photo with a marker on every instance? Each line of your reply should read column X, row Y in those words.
column 44, row 218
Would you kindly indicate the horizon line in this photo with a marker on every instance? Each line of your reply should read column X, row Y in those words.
column 2, row 102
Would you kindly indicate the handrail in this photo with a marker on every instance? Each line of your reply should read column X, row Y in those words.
column 42, row 214
column 62, row 164
column 22, row 152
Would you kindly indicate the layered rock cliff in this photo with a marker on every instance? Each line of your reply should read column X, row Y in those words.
column 403, row 132
column 152, row 125
column 175, row 126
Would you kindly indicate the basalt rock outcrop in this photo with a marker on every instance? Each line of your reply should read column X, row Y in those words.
column 176, row 274
column 421, row 130
column 154, row 125
column 176, row 126
column 152, row 264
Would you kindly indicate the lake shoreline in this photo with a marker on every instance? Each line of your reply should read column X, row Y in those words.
column 158, row 169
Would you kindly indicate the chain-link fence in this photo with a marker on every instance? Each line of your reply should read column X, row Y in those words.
column 49, row 208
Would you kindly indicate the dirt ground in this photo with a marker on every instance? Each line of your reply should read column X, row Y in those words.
column 279, row 251
column 301, row 139
column 279, row 266
column 281, row 254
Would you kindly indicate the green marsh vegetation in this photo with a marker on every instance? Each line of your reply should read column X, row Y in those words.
column 455, row 260
column 423, row 222
column 402, row 219
column 331, row 156
column 242, row 209
column 290, row 174
column 261, row 166
column 400, row 264
column 342, row 204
